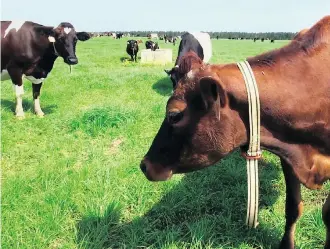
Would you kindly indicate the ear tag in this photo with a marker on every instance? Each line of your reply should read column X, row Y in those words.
column 51, row 39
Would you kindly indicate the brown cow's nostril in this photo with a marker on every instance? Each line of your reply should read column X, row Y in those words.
column 143, row 167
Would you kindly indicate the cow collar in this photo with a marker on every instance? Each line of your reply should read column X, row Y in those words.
column 55, row 51
column 254, row 153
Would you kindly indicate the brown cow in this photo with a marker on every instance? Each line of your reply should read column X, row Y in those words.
column 300, row 34
column 207, row 118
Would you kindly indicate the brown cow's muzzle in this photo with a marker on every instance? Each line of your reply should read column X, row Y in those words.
column 155, row 172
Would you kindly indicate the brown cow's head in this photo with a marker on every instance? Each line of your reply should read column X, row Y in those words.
column 196, row 131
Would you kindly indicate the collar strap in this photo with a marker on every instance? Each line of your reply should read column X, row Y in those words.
column 55, row 51
column 254, row 153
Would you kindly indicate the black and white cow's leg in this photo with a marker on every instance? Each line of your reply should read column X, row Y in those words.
column 16, row 77
column 36, row 86
column 36, row 99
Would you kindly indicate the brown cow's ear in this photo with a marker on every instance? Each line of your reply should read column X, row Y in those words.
column 212, row 94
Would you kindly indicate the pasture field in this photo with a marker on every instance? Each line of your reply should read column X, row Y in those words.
column 72, row 179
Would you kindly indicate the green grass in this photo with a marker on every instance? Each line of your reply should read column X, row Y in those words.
column 72, row 179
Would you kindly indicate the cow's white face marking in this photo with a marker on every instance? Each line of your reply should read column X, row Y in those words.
column 34, row 80
column 51, row 39
column 5, row 75
column 67, row 30
column 14, row 25
column 190, row 74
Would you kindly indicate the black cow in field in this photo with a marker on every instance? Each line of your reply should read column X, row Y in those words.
column 272, row 41
column 262, row 39
column 119, row 35
column 132, row 49
column 199, row 43
column 152, row 45
column 30, row 49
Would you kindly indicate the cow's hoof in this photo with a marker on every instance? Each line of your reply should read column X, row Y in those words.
column 40, row 114
column 20, row 116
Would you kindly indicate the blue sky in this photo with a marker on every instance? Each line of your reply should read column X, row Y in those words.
column 179, row 15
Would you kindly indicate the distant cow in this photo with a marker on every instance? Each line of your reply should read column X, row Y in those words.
column 119, row 35
column 30, row 49
column 272, row 41
column 200, row 43
column 152, row 45
column 262, row 39
column 132, row 49
column 170, row 39
column 153, row 36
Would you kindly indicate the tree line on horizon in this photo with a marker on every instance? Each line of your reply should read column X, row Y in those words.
column 214, row 35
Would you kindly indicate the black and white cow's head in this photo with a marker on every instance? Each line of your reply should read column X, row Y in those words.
column 64, row 38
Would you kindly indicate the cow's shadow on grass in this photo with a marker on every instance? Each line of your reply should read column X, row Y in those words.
column 206, row 209
column 128, row 58
column 163, row 86
column 27, row 106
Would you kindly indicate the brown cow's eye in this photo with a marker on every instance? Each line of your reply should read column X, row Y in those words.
column 174, row 117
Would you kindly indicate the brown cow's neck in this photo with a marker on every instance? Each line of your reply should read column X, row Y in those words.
column 233, row 82
column 298, row 135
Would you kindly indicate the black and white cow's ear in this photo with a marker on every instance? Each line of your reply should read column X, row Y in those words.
column 83, row 36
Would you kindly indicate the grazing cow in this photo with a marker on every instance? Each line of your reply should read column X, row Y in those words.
column 272, row 41
column 132, row 49
column 207, row 119
column 200, row 43
column 30, row 49
column 262, row 39
column 152, row 45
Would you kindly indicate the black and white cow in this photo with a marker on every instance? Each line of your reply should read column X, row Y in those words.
column 29, row 50
column 170, row 39
column 152, row 45
column 200, row 43
column 119, row 35
column 132, row 49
